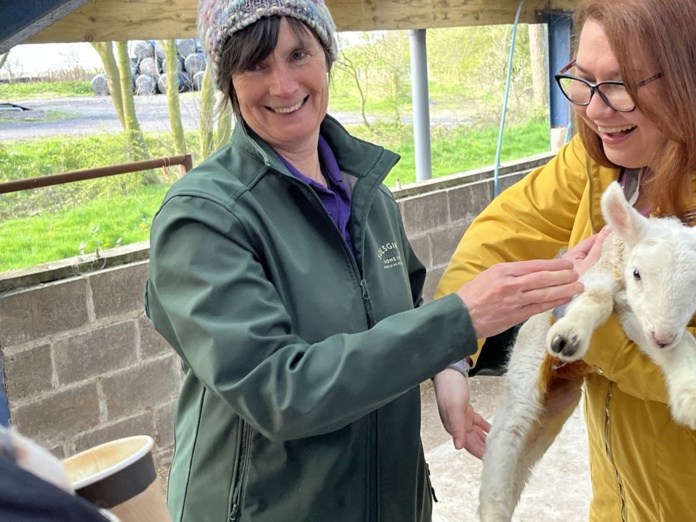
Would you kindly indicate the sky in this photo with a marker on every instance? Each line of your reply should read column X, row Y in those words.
column 30, row 59
column 33, row 59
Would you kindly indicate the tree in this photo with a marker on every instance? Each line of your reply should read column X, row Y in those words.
column 347, row 65
column 538, row 57
column 137, row 148
column 207, row 116
column 209, row 96
column 118, row 75
column 173, row 106
column 113, row 77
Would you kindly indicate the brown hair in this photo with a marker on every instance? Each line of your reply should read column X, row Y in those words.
column 649, row 37
column 252, row 45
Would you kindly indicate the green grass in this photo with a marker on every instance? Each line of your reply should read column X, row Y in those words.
column 94, row 225
column 52, row 223
column 457, row 149
column 38, row 90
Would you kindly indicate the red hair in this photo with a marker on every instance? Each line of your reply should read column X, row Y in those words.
column 649, row 37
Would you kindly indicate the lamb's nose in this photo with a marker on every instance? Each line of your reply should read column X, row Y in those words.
column 662, row 339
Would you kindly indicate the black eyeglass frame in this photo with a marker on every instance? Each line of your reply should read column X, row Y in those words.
column 594, row 87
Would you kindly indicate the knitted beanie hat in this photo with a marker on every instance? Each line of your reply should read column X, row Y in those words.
column 220, row 19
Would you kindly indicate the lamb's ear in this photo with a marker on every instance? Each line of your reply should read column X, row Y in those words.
column 624, row 220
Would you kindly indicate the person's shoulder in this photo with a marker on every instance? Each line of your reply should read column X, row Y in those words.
column 226, row 173
column 25, row 497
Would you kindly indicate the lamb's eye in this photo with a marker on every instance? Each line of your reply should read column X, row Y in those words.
column 636, row 274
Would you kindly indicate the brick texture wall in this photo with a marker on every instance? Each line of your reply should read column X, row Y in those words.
column 82, row 363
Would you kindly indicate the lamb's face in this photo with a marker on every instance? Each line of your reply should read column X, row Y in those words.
column 660, row 276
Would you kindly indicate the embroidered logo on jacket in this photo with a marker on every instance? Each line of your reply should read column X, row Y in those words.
column 389, row 255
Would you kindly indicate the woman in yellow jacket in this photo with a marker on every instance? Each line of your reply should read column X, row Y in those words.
column 633, row 89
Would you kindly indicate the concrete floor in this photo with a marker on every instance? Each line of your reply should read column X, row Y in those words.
column 455, row 474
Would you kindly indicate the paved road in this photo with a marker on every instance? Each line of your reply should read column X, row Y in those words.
column 95, row 114
column 90, row 115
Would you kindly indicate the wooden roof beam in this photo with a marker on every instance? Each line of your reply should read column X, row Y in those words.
column 105, row 20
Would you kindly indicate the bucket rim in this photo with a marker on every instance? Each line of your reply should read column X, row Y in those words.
column 148, row 444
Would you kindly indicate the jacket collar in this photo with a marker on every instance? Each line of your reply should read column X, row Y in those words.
column 355, row 157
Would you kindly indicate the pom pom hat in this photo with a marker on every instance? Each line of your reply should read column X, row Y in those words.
column 220, row 19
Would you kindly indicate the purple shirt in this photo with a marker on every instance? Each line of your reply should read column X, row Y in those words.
column 335, row 196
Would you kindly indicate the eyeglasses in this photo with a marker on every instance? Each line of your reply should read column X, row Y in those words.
column 580, row 91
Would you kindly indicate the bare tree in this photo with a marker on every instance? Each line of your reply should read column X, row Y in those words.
column 213, row 136
column 347, row 65
column 136, row 142
column 207, row 115
column 539, row 61
column 113, row 77
column 173, row 105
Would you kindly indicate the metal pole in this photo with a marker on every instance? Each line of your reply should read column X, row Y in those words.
column 420, row 99
column 560, row 27
column 81, row 175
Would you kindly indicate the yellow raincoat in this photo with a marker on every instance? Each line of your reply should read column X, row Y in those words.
column 643, row 464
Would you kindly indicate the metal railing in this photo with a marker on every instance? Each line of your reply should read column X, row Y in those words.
column 183, row 160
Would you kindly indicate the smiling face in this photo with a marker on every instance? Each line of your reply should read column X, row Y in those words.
column 284, row 98
column 628, row 138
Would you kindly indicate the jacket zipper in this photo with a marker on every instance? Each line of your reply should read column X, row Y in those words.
column 365, row 292
column 366, row 302
column 607, row 447
column 240, row 478
column 372, row 505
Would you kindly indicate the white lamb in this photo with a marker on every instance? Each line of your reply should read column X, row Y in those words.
column 647, row 274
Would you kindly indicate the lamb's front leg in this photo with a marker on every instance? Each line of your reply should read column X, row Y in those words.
column 678, row 365
column 569, row 338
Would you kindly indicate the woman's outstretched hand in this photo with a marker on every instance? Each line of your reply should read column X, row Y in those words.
column 508, row 293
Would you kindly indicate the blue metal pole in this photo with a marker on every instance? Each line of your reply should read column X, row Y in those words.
column 560, row 28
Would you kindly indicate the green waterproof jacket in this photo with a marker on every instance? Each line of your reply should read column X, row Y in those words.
column 301, row 398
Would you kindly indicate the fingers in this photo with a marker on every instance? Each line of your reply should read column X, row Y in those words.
column 521, row 268
column 480, row 422
column 476, row 442
column 555, row 284
column 587, row 252
column 596, row 250
column 509, row 293
column 581, row 250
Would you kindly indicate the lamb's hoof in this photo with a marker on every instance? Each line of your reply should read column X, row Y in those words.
column 564, row 347
column 566, row 341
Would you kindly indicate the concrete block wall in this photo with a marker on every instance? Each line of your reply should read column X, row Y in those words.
column 83, row 365
column 437, row 214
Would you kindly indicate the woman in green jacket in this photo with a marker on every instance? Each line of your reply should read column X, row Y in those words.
column 632, row 86
column 281, row 274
